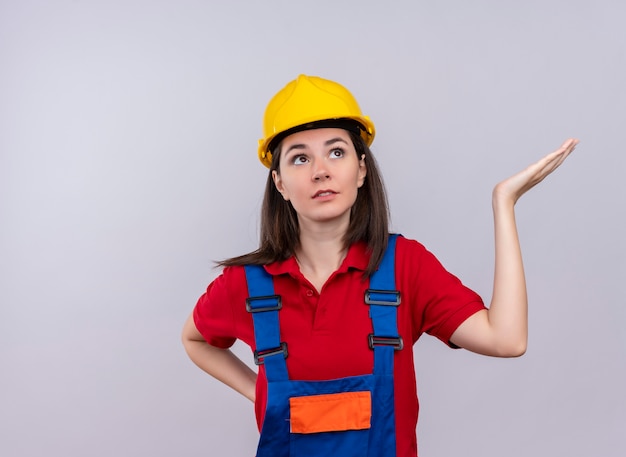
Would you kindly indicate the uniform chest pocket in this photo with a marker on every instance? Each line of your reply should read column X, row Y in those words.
column 330, row 424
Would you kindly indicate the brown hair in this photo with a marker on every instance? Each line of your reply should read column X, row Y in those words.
column 280, row 232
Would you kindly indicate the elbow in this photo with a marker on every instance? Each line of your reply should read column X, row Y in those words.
column 184, row 335
column 190, row 334
column 514, row 349
column 186, row 342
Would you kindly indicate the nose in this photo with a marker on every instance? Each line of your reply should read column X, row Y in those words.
column 320, row 176
column 320, row 173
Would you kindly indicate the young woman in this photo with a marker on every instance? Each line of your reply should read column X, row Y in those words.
column 331, row 303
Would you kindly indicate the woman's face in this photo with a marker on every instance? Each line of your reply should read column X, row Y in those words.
column 320, row 175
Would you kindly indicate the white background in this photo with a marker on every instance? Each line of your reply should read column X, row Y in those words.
column 128, row 134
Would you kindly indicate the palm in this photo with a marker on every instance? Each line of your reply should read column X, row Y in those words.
column 517, row 185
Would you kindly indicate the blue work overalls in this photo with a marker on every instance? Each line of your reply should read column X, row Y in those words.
column 355, row 415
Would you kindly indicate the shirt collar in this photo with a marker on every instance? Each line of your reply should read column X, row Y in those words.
column 357, row 258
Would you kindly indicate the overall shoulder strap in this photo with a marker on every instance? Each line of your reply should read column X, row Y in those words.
column 264, row 305
column 383, row 299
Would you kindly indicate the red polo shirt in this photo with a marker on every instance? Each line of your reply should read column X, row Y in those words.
column 327, row 332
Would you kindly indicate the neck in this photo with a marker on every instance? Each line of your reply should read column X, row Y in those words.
column 320, row 252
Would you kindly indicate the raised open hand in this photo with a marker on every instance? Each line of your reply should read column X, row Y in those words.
column 502, row 330
column 513, row 188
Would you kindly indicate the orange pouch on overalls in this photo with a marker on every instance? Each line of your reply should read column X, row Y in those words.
column 331, row 412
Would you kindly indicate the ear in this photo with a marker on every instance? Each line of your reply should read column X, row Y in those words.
column 362, row 171
column 278, row 182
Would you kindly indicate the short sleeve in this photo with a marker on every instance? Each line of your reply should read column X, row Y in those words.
column 213, row 314
column 439, row 301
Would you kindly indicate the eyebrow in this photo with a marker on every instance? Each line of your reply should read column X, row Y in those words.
column 326, row 143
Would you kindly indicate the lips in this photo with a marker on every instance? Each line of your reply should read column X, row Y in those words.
column 324, row 193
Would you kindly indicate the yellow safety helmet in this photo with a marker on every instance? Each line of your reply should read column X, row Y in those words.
column 304, row 102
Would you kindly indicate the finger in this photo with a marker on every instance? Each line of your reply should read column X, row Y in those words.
column 567, row 146
column 560, row 154
column 541, row 169
column 566, row 149
column 569, row 143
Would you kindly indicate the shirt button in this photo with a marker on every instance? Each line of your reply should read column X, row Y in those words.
column 309, row 293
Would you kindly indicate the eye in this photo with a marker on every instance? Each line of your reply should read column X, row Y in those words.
column 337, row 153
column 299, row 159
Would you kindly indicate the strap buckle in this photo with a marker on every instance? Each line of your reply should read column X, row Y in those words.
column 270, row 306
column 395, row 341
column 380, row 297
column 259, row 356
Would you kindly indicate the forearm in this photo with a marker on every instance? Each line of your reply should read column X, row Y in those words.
column 508, row 311
column 222, row 364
